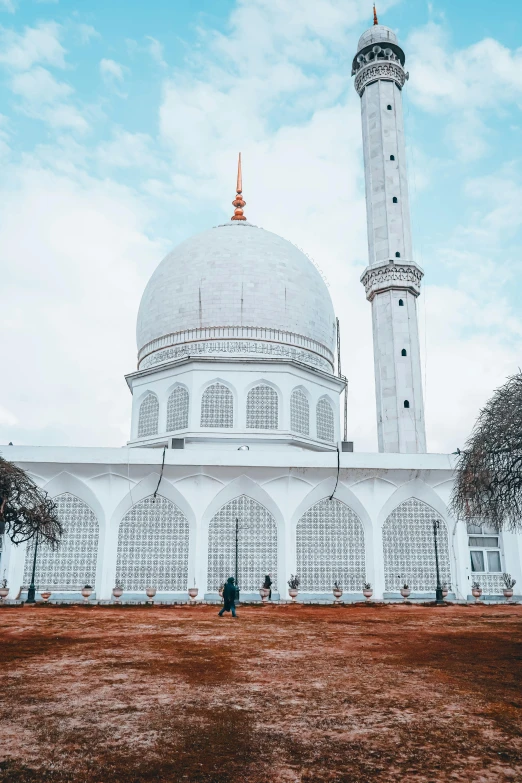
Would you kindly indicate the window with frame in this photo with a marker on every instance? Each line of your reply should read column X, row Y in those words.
column 484, row 549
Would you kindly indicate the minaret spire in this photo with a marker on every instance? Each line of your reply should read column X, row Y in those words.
column 375, row 20
column 239, row 202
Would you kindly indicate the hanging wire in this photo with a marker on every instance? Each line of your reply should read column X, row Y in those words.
column 161, row 475
column 338, row 471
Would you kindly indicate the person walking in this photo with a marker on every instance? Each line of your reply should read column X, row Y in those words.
column 229, row 597
column 267, row 584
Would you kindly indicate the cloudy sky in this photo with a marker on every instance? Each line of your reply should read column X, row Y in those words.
column 119, row 130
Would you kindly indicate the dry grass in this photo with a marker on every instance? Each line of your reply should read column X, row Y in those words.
column 283, row 694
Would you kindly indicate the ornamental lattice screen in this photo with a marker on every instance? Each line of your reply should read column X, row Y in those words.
column 257, row 545
column 217, row 406
column 409, row 548
column 299, row 412
column 73, row 564
column 330, row 547
column 325, row 420
column 153, row 546
column 262, row 408
column 148, row 416
column 178, row 409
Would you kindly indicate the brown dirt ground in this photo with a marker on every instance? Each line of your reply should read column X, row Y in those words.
column 284, row 694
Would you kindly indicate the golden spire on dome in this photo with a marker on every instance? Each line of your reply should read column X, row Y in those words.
column 239, row 202
column 375, row 20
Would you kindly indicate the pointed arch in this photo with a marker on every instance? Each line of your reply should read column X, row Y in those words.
column 299, row 412
column 153, row 546
column 148, row 416
column 178, row 409
column 73, row 564
column 217, row 406
column 262, row 407
column 257, row 544
column 325, row 420
column 330, row 547
column 409, row 547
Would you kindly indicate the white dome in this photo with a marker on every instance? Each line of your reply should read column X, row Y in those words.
column 236, row 290
column 377, row 34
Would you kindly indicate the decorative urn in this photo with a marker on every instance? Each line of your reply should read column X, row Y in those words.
column 367, row 594
column 46, row 594
column 150, row 592
column 476, row 593
column 86, row 592
column 117, row 593
column 4, row 592
column 405, row 592
column 193, row 593
column 337, row 592
column 508, row 594
column 264, row 592
column 293, row 593
column 445, row 592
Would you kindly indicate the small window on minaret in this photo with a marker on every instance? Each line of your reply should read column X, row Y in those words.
column 401, row 303
column 397, row 255
column 395, row 199
column 406, row 404
column 403, row 352
column 389, row 107
column 392, row 157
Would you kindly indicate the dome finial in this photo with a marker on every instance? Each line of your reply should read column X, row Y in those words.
column 375, row 20
column 239, row 202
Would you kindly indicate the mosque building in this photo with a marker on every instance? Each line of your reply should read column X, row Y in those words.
column 237, row 403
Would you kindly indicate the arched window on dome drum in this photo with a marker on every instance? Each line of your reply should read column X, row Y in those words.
column 73, row 564
column 153, row 546
column 148, row 416
column 178, row 409
column 257, row 545
column 409, row 548
column 299, row 412
column 217, row 406
column 262, row 408
column 330, row 547
column 325, row 420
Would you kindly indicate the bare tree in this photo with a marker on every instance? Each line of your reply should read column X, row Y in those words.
column 26, row 510
column 488, row 486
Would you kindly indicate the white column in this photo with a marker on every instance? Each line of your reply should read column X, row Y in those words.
column 392, row 278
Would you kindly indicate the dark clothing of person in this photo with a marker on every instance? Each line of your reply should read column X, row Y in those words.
column 229, row 598
column 268, row 586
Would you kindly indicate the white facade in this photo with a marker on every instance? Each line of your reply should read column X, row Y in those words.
column 378, row 525
column 235, row 416
column 392, row 278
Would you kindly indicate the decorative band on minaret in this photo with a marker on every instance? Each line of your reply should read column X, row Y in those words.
column 392, row 279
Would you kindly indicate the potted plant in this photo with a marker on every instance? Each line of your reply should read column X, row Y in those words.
column 337, row 591
column 264, row 592
column 293, row 585
column 86, row 592
column 405, row 589
column 117, row 590
column 193, row 593
column 4, row 590
column 46, row 594
column 367, row 590
column 476, row 590
column 445, row 589
column 509, row 583
column 150, row 592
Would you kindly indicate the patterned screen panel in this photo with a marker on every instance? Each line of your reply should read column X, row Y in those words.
column 148, row 416
column 299, row 412
column 409, row 548
column 262, row 408
column 330, row 547
column 178, row 409
column 217, row 406
column 153, row 546
column 257, row 545
column 491, row 584
column 73, row 564
column 325, row 421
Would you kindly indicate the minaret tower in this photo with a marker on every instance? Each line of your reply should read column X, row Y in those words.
column 392, row 279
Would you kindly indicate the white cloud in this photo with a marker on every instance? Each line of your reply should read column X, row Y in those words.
column 86, row 32
column 39, row 86
column 127, row 150
column 156, row 51
column 111, row 70
column 40, row 44
column 8, row 5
